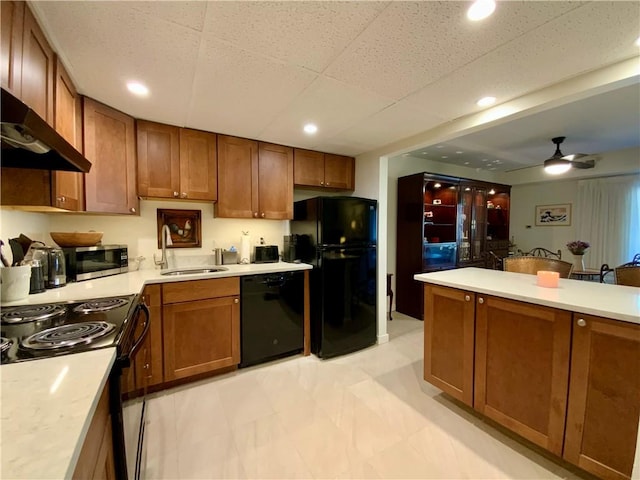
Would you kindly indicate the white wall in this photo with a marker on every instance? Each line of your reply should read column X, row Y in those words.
column 139, row 233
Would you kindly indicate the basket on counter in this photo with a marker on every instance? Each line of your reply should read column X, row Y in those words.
column 76, row 239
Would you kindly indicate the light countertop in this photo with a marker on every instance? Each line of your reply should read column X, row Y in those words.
column 611, row 301
column 133, row 282
column 47, row 407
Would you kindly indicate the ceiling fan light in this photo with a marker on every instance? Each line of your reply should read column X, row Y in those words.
column 556, row 166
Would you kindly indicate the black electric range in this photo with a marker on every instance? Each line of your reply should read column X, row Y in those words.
column 32, row 332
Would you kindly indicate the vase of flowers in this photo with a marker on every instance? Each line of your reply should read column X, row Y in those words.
column 577, row 248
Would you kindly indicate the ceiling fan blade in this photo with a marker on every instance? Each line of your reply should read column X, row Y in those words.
column 576, row 156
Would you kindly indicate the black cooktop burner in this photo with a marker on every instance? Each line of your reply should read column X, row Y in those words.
column 67, row 335
column 5, row 343
column 32, row 313
column 100, row 305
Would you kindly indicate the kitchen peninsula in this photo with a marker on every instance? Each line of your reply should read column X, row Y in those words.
column 557, row 366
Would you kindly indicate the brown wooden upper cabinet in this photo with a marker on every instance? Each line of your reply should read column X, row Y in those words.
column 323, row 170
column 255, row 179
column 68, row 187
column 12, row 17
column 176, row 163
column 109, row 144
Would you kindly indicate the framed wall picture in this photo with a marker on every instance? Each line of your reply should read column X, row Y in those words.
column 553, row 215
column 184, row 225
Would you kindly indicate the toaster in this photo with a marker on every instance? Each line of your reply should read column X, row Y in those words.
column 266, row 254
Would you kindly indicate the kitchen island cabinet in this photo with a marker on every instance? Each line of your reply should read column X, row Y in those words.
column 557, row 366
column 255, row 179
column 109, row 144
column 201, row 326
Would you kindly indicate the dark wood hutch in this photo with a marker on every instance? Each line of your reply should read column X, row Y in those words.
column 442, row 223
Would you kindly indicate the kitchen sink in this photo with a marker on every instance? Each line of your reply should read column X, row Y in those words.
column 193, row 271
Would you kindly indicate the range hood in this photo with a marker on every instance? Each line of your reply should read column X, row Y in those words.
column 30, row 142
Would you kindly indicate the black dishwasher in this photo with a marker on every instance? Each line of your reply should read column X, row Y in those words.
column 272, row 316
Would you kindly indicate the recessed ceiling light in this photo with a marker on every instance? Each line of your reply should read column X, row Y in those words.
column 444, row 156
column 459, row 152
column 486, row 101
column 484, row 159
column 425, row 153
column 638, row 42
column 481, row 9
column 440, row 146
column 138, row 88
column 406, row 154
column 492, row 192
column 466, row 163
column 310, row 128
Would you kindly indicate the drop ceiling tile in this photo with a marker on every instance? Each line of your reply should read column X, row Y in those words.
column 537, row 59
column 331, row 105
column 238, row 92
column 186, row 13
column 309, row 34
column 401, row 120
column 413, row 44
column 106, row 45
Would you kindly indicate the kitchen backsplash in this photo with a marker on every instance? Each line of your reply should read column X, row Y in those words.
column 139, row 232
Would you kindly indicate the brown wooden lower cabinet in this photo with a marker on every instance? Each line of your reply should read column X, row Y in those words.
column 448, row 341
column 604, row 396
column 567, row 382
column 96, row 457
column 201, row 327
column 522, row 368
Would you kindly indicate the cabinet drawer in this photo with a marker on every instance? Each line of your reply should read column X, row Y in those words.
column 200, row 289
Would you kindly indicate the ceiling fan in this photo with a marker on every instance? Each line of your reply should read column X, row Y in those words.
column 560, row 163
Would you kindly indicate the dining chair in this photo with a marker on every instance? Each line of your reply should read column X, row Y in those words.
column 531, row 265
column 628, row 275
column 542, row 252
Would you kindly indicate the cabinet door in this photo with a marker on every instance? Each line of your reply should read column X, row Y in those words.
column 339, row 172
column 522, row 368
column 109, row 144
column 198, row 165
column 308, row 168
column 37, row 69
column 449, row 340
column 604, row 396
column 237, row 178
column 105, row 468
column 149, row 365
column 201, row 336
column 68, row 187
column 158, row 160
column 275, row 181
column 12, row 17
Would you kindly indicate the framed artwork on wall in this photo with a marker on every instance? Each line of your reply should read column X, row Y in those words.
column 185, row 227
column 553, row 215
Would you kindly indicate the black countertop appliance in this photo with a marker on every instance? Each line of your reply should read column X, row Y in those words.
column 342, row 237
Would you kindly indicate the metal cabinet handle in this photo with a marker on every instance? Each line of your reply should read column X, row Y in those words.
column 321, row 183
column 183, row 195
column 481, row 300
column 235, row 300
column 255, row 214
column 327, row 184
column 62, row 199
column 132, row 209
column 467, row 298
column 581, row 322
column 176, row 194
column 262, row 214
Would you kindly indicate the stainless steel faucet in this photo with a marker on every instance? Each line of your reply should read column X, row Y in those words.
column 165, row 239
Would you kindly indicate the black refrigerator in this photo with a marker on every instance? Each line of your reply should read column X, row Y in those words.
column 338, row 235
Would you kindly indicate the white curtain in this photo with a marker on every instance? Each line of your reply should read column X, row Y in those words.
column 608, row 217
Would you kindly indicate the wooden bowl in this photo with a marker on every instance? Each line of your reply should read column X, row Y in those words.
column 76, row 239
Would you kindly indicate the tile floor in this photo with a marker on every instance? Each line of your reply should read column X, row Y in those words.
column 364, row 415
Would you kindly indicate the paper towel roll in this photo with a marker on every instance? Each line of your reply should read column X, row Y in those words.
column 245, row 248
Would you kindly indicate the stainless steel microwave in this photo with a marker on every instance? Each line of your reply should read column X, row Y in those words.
column 85, row 263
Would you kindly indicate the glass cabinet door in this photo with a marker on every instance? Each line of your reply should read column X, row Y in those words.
column 473, row 223
column 439, row 228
